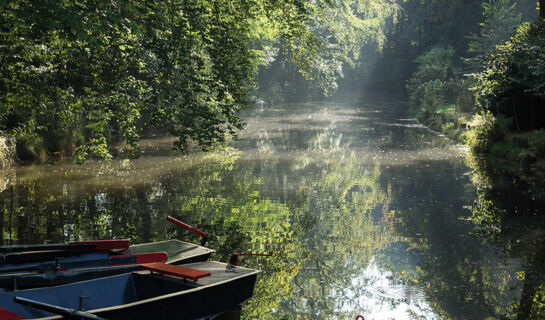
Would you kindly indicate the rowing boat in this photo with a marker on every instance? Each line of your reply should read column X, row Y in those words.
column 96, row 253
column 75, row 269
column 161, row 291
column 178, row 252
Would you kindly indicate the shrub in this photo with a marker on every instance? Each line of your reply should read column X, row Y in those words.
column 433, row 74
column 30, row 145
column 512, row 82
column 486, row 129
column 435, row 63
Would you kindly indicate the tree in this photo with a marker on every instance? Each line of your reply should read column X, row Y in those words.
column 422, row 25
column 427, row 85
column 511, row 82
column 341, row 31
column 77, row 76
column 500, row 22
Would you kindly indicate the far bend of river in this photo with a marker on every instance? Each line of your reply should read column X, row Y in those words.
column 364, row 209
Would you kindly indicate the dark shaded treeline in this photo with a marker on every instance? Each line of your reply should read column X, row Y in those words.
column 386, row 58
column 426, row 24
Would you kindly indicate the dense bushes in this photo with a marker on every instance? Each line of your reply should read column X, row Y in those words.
column 79, row 75
column 440, row 77
column 512, row 82
column 438, row 95
column 507, row 140
column 427, row 85
column 438, row 82
column 511, row 88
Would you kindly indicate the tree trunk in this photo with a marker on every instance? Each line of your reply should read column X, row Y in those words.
column 527, row 297
column 542, row 9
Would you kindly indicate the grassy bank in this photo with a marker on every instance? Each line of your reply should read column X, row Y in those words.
column 500, row 157
column 448, row 121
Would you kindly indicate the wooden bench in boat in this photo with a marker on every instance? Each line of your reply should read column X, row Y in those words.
column 177, row 271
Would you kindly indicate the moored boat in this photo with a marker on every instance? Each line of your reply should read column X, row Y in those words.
column 178, row 252
column 94, row 265
column 194, row 291
column 97, row 253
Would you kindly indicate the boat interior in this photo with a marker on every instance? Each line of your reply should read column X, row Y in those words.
column 98, row 293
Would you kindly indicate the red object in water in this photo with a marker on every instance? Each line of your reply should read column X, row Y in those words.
column 182, row 272
column 143, row 258
column 186, row 226
column 105, row 245
column 360, row 317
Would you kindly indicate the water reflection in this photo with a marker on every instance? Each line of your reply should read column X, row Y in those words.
column 511, row 218
column 361, row 207
column 385, row 296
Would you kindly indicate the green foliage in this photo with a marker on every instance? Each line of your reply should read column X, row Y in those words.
column 430, row 95
column 341, row 31
column 512, row 81
column 30, row 145
column 421, row 26
column 7, row 155
column 507, row 141
column 538, row 304
column 436, row 63
column 427, row 85
column 499, row 24
column 510, row 158
column 484, row 132
column 89, row 74
column 465, row 101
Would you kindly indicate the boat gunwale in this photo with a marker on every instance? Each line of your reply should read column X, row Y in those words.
column 165, row 296
column 208, row 250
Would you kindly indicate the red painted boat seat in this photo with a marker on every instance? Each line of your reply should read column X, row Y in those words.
column 104, row 245
column 177, row 271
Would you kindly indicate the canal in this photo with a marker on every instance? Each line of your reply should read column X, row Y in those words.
column 366, row 212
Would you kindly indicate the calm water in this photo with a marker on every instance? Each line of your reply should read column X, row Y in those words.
column 364, row 209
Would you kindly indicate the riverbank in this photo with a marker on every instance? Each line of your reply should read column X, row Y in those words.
column 501, row 157
column 448, row 121
column 498, row 156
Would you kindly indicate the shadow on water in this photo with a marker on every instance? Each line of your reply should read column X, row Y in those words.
column 366, row 213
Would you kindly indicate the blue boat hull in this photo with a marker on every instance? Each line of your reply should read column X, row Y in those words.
column 141, row 295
